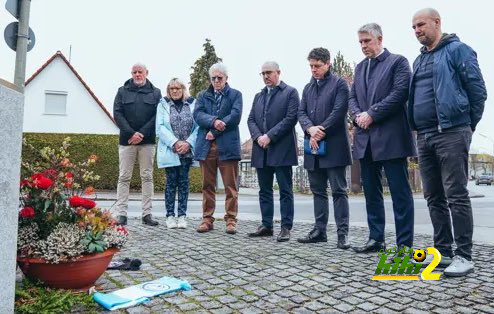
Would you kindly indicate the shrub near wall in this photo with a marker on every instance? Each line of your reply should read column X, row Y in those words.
column 106, row 148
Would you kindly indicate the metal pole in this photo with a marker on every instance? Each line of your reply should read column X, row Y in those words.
column 22, row 40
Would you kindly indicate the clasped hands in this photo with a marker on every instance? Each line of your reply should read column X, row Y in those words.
column 181, row 147
column 263, row 141
column 364, row 120
column 218, row 125
column 317, row 133
column 136, row 138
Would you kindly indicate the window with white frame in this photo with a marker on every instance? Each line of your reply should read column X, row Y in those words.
column 55, row 102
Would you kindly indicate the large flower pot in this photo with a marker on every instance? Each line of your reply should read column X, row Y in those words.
column 79, row 274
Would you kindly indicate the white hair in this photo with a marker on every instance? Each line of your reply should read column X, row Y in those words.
column 371, row 28
column 220, row 67
column 271, row 64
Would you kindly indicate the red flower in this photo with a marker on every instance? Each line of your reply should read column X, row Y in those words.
column 77, row 201
column 122, row 230
column 25, row 182
column 41, row 182
column 69, row 175
column 27, row 212
column 89, row 190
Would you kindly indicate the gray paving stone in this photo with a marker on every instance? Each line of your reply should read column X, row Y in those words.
column 234, row 274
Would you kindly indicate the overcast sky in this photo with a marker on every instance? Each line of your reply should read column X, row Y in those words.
column 107, row 37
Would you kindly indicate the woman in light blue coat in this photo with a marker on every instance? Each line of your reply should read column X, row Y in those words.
column 177, row 132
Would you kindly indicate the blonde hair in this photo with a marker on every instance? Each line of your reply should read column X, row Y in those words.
column 177, row 81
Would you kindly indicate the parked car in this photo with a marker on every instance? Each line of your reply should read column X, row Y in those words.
column 484, row 179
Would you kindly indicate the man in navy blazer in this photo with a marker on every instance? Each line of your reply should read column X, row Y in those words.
column 383, row 138
column 271, row 124
column 322, row 116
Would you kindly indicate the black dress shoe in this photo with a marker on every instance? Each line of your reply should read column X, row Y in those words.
column 122, row 220
column 148, row 220
column 262, row 231
column 284, row 235
column 314, row 236
column 371, row 246
column 343, row 242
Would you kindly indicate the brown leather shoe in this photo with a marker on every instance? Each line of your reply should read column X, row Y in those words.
column 205, row 227
column 231, row 228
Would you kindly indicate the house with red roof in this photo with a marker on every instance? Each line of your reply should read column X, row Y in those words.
column 58, row 100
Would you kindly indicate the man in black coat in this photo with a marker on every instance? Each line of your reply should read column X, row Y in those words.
column 134, row 110
column 271, row 124
column 383, row 138
column 322, row 116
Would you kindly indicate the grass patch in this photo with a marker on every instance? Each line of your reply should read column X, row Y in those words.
column 32, row 297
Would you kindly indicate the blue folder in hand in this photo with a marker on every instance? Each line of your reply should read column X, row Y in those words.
column 321, row 151
column 139, row 293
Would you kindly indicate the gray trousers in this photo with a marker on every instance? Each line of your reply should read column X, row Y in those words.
column 318, row 180
column 127, row 156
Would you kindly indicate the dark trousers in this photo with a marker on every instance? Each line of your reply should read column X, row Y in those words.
column 396, row 171
column 443, row 162
column 265, row 177
column 177, row 178
column 318, row 180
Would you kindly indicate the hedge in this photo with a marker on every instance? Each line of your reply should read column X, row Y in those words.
column 106, row 148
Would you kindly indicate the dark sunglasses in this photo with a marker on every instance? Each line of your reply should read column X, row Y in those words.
column 219, row 78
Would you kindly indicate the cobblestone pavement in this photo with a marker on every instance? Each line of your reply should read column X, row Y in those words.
column 237, row 274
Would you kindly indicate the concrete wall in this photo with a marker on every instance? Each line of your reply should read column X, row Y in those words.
column 11, row 113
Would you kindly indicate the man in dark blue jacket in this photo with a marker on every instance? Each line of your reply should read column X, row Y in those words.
column 383, row 138
column 271, row 124
column 134, row 110
column 218, row 112
column 322, row 116
column 446, row 102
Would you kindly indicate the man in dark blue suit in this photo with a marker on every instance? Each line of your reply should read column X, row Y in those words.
column 271, row 124
column 383, row 138
column 322, row 116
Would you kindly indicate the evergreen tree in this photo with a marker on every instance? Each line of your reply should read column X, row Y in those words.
column 199, row 78
column 342, row 68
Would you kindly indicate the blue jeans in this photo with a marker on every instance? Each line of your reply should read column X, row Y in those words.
column 443, row 163
column 177, row 178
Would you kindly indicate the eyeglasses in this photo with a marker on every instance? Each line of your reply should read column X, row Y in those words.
column 176, row 88
column 266, row 73
column 217, row 78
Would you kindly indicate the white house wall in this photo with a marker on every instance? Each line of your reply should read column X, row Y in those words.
column 83, row 114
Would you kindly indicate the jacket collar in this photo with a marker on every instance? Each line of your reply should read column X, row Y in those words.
column 282, row 86
column 148, row 87
column 326, row 77
column 225, row 90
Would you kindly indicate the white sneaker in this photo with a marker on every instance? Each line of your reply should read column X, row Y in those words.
column 182, row 222
column 459, row 267
column 445, row 261
column 171, row 222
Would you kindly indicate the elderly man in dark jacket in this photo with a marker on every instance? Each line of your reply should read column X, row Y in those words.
column 134, row 110
column 446, row 102
column 322, row 116
column 271, row 124
column 218, row 112
column 383, row 138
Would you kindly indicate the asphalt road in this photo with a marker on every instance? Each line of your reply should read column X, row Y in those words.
column 483, row 211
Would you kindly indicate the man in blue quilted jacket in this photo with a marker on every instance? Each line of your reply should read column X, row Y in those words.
column 446, row 101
